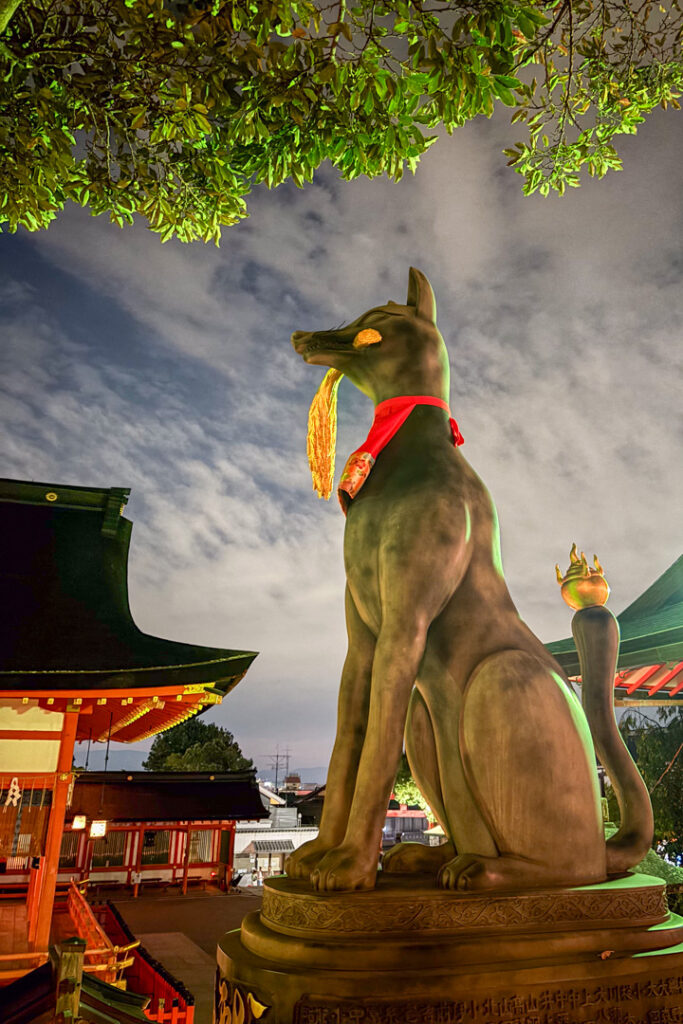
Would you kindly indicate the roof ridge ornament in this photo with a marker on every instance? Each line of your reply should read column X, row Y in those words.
column 116, row 502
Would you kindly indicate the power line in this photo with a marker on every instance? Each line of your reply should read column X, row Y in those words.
column 277, row 760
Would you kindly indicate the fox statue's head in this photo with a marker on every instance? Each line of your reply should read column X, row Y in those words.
column 390, row 350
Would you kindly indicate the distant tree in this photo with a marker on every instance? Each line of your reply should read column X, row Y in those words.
column 406, row 789
column 173, row 110
column 194, row 746
column 658, row 749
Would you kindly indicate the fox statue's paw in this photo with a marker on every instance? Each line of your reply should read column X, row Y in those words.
column 416, row 858
column 345, row 868
column 303, row 861
column 471, row 872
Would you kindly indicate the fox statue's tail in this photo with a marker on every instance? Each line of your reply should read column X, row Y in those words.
column 596, row 633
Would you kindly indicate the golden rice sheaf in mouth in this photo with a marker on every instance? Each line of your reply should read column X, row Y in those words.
column 321, row 439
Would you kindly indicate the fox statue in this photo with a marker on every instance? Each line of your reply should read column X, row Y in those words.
column 439, row 658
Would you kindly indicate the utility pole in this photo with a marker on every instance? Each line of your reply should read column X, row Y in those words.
column 277, row 760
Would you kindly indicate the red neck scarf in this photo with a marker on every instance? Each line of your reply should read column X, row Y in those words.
column 389, row 418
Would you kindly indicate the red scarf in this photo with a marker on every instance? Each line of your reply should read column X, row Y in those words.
column 389, row 418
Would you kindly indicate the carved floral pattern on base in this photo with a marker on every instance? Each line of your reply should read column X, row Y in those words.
column 380, row 915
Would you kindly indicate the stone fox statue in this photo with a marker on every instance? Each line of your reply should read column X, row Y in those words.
column 496, row 739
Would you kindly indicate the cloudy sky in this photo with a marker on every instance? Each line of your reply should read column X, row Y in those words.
column 168, row 369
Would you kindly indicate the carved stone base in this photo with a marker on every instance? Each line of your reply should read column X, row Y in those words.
column 409, row 953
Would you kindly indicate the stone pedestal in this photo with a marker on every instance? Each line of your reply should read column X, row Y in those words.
column 409, row 953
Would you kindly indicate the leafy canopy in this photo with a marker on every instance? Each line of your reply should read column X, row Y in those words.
column 195, row 746
column 173, row 111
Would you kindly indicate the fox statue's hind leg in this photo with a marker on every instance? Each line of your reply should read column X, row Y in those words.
column 531, row 784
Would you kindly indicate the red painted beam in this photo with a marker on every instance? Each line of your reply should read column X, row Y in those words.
column 666, row 678
column 642, row 676
column 678, row 687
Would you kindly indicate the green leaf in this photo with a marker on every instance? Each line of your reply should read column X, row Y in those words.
column 508, row 81
column 504, row 94
column 326, row 73
column 526, row 24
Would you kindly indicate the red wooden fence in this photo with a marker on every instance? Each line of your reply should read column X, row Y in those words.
column 101, row 955
column 170, row 1002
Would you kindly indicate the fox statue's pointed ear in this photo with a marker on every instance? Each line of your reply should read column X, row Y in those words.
column 421, row 296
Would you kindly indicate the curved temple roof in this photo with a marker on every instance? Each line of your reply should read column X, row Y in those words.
column 67, row 637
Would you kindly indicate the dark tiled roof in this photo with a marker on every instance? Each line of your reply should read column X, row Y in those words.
column 167, row 796
column 271, row 846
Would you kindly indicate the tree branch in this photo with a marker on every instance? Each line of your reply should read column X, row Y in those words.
column 667, row 769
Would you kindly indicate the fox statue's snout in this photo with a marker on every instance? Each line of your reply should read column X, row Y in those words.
column 321, row 346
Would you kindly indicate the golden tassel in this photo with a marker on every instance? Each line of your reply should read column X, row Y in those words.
column 321, row 439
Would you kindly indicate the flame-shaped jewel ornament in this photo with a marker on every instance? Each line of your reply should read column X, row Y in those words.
column 583, row 586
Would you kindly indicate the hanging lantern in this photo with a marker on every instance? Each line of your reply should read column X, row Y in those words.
column 78, row 823
column 98, row 829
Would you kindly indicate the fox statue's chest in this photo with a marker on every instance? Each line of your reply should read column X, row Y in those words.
column 365, row 536
column 384, row 523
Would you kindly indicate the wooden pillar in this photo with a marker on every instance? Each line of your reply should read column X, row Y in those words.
column 186, row 860
column 230, row 865
column 32, row 899
column 87, row 870
column 128, row 858
column 232, row 848
column 69, row 975
column 138, row 863
column 45, row 903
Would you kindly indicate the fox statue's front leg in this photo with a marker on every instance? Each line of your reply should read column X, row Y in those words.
column 352, row 718
column 353, row 864
column 413, row 584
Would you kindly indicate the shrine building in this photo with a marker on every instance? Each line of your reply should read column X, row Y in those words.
column 74, row 667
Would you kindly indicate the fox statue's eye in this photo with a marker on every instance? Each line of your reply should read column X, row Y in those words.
column 368, row 336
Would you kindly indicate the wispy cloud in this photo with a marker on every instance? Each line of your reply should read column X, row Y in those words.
column 168, row 369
